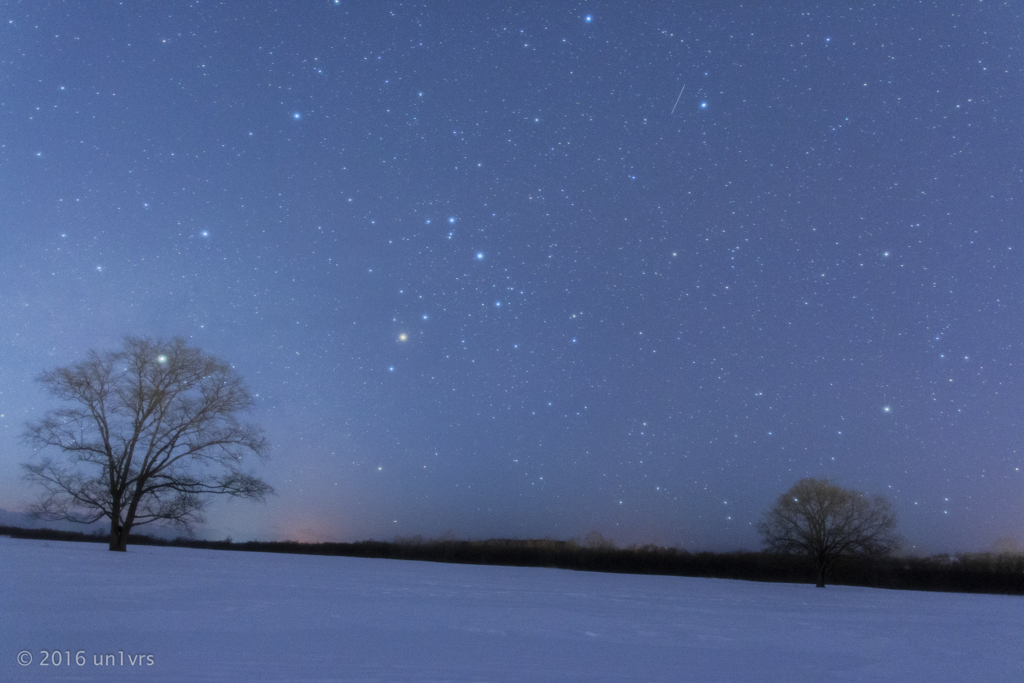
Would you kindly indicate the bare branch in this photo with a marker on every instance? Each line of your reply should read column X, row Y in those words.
column 825, row 522
column 148, row 432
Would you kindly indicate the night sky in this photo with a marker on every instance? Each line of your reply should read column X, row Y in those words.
column 539, row 269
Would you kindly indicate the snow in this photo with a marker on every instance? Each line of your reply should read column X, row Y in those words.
column 206, row 615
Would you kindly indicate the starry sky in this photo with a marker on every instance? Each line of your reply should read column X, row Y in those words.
column 539, row 269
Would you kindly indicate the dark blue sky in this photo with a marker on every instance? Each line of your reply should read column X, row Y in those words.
column 490, row 271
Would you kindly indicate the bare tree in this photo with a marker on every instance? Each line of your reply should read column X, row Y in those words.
column 148, row 433
column 825, row 522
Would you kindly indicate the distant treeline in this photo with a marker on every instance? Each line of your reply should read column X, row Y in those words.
column 966, row 572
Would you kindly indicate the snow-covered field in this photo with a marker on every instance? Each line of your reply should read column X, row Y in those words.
column 170, row 614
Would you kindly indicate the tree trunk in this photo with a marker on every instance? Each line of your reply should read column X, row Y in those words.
column 118, row 536
column 822, row 568
column 123, row 530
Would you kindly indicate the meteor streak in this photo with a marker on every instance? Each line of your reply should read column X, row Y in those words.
column 677, row 100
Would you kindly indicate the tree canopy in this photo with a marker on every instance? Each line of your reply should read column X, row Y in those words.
column 148, row 433
column 824, row 521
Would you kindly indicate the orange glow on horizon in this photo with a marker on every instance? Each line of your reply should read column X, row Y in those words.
column 309, row 531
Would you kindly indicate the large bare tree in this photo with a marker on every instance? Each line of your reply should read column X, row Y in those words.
column 825, row 522
column 147, row 433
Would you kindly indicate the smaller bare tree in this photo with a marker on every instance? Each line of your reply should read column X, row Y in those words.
column 148, row 432
column 825, row 522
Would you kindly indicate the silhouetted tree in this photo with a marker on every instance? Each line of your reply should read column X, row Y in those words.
column 825, row 522
column 596, row 541
column 148, row 432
